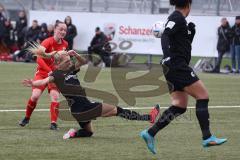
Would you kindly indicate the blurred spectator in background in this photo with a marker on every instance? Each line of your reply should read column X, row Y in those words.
column 32, row 32
column 43, row 34
column 31, row 35
column 223, row 44
column 71, row 32
column 21, row 28
column 235, row 46
column 2, row 13
column 2, row 29
column 100, row 45
column 2, row 20
column 50, row 29
column 9, row 37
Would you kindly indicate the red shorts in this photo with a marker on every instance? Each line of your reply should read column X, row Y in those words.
column 50, row 86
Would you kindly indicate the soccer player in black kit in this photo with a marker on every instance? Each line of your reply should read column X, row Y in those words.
column 176, row 45
column 83, row 110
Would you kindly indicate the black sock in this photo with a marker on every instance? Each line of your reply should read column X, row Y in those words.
column 83, row 133
column 132, row 115
column 203, row 117
column 167, row 116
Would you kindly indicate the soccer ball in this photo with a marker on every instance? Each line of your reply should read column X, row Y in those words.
column 158, row 28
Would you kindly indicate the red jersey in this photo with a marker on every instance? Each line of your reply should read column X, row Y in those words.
column 46, row 65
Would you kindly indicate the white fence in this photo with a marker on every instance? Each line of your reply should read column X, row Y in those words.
column 132, row 31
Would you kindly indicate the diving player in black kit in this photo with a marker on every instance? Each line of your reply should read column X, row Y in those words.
column 82, row 109
column 176, row 45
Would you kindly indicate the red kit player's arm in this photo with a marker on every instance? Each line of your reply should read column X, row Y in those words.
column 40, row 61
column 43, row 65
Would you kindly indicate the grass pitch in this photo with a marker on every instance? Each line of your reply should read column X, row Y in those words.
column 115, row 138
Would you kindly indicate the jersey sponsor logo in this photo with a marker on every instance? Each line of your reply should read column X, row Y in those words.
column 71, row 76
column 165, row 60
column 193, row 74
column 170, row 24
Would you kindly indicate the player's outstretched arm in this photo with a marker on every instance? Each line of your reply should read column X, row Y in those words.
column 37, row 83
column 80, row 60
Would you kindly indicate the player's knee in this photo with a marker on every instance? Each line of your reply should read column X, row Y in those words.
column 180, row 103
column 203, row 95
column 35, row 97
column 177, row 110
column 54, row 97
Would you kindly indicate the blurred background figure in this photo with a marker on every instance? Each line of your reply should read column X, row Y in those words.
column 3, row 48
column 235, row 46
column 43, row 34
column 100, row 46
column 9, row 38
column 50, row 29
column 223, row 44
column 71, row 32
column 20, row 29
column 2, row 20
column 31, row 35
column 33, row 31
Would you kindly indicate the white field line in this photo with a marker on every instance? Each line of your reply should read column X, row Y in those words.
column 134, row 108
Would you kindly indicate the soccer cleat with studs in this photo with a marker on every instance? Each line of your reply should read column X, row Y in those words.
column 154, row 113
column 53, row 126
column 24, row 121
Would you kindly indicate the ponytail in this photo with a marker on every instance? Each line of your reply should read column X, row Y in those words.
column 39, row 51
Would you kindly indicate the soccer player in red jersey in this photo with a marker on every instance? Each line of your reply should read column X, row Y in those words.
column 45, row 66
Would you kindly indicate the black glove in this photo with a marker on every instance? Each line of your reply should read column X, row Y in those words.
column 191, row 27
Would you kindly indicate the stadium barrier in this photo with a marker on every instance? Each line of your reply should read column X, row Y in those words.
column 131, row 33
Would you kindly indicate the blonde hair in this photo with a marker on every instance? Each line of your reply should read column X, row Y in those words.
column 39, row 51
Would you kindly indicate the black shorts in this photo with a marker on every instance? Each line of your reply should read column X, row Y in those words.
column 84, row 110
column 179, row 77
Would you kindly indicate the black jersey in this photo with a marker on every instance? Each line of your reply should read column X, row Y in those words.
column 71, row 78
column 68, row 83
column 176, row 40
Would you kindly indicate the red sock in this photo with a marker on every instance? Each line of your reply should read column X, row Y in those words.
column 30, row 107
column 54, row 111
